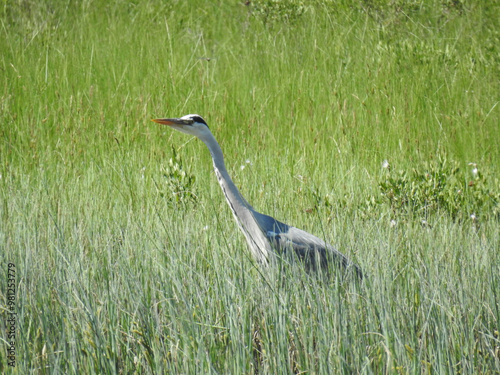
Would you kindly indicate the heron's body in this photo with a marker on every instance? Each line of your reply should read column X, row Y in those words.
column 266, row 237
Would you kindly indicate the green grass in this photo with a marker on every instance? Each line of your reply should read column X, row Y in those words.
column 115, row 275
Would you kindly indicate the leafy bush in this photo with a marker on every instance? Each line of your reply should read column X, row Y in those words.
column 435, row 187
column 278, row 10
column 179, row 183
column 441, row 186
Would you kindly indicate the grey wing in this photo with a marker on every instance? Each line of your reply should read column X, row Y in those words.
column 308, row 248
column 313, row 251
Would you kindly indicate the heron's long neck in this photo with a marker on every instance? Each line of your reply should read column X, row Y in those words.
column 242, row 211
column 231, row 192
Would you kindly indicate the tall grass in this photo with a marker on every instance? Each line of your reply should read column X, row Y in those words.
column 115, row 275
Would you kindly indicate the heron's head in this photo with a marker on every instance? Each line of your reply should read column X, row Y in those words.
column 189, row 124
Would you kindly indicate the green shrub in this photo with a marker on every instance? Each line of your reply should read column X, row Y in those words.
column 278, row 10
column 441, row 186
column 178, row 183
column 433, row 188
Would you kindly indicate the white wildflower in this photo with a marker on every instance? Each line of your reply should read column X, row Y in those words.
column 474, row 169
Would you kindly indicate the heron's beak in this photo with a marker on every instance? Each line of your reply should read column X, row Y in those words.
column 172, row 121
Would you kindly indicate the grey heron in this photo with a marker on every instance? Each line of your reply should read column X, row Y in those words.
column 266, row 237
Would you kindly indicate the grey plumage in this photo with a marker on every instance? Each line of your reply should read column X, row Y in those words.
column 266, row 237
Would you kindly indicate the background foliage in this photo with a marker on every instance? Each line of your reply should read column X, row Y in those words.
column 373, row 124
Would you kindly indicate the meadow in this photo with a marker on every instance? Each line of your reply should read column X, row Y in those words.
column 372, row 124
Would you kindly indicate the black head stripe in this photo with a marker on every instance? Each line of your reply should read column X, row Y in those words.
column 199, row 119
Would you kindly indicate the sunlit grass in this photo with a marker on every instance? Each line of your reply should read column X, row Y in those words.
column 115, row 275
